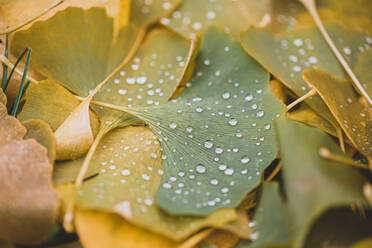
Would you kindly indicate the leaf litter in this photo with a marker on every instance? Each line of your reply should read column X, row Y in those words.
column 183, row 137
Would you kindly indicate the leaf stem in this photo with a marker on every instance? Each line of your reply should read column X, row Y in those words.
column 274, row 173
column 327, row 154
column 30, row 19
column 310, row 6
column 309, row 94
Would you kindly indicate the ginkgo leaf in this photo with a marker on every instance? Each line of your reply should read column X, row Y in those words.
column 149, row 78
column 52, row 103
column 300, row 49
column 43, row 134
column 144, row 13
column 216, row 136
column 28, row 199
column 271, row 223
column 16, row 11
column 99, row 229
column 343, row 101
column 129, row 164
column 97, row 58
column 193, row 16
column 312, row 184
column 363, row 70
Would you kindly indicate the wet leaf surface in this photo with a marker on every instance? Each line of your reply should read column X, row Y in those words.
column 215, row 142
column 343, row 101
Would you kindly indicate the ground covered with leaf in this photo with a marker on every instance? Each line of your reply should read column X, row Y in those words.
column 186, row 123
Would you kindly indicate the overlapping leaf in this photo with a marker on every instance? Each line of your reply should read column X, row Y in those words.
column 314, row 185
column 353, row 116
column 193, row 16
column 129, row 164
column 27, row 196
column 272, row 227
column 216, row 136
column 300, row 49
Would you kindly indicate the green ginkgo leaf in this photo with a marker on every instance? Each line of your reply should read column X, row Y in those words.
column 144, row 13
column 193, row 16
column 216, row 136
column 312, row 184
column 130, row 168
column 271, row 221
column 343, row 101
column 286, row 55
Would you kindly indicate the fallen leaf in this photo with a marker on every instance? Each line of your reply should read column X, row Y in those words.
column 57, row 60
column 145, row 13
column 28, row 199
column 52, row 103
column 317, row 185
column 194, row 16
column 129, row 160
column 43, row 134
column 300, row 49
column 221, row 239
column 270, row 224
column 217, row 134
column 99, row 229
column 343, row 101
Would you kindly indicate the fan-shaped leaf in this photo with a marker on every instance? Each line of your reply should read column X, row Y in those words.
column 343, row 101
column 129, row 160
column 216, row 136
column 303, row 48
column 193, row 16
column 314, row 185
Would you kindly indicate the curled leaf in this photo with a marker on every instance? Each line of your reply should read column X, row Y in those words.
column 75, row 136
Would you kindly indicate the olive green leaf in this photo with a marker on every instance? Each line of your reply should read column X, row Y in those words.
column 193, row 16
column 130, row 168
column 144, row 13
column 363, row 70
column 287, row 54
column 216, row 136
column 343, row 101
column 312, row 184
column 271, row 222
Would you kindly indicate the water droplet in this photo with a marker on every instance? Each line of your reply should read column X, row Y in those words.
column 229, row 171
column 249, row 98
column 214, row 181
column 173, row 125
column 219, row 150
column 125, row 172
column 200, row 169
column 208, row 144
column 226, row 95
column 222, row 167
column 233, row 122
column 167, row 186
column 260, row 113
column 267, row 126
column 189, row 129
column 245, row 160
column 199, row 109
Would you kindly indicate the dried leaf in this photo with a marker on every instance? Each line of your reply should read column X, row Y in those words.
column 343, row 101
column 221, row 239
column 43, row 134
column 99, row 229
column 28, row 199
